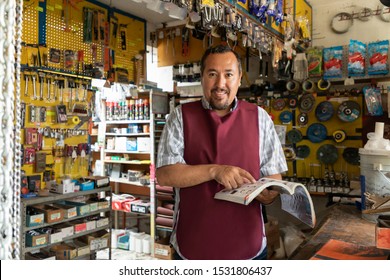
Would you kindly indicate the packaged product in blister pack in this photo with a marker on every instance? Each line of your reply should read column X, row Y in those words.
column 372, row 96
column 378, row 57
column 333, row 58
column 314, row 59
column 356, row 58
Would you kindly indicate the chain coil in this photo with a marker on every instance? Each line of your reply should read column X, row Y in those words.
column 10, row 120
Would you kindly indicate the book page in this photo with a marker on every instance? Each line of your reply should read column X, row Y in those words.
column 295, row 198
column 299, row 205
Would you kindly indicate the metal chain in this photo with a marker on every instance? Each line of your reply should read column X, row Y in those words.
column 10, row 48
column 18, row 126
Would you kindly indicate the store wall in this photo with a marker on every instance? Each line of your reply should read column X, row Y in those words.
column 323, row 12
column 366, row 31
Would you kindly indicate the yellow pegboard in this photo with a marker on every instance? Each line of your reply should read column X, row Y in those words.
column 30, row 22
column 64, row 31
column 135, row 43
column 351, row 129
column 68, row 34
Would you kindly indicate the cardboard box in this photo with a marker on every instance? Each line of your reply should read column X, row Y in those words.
column 140, row 206
column 52, row 214
column 131, row 144
column 66, row 229
column 87, row 186
column 103, row 204
column 82, row 208
column 35, row 220
column 382, row 232
column 90, row 225
column 116, row 204
column 79, row 226
column 123, row 241
column 37, row 240
column 56, row 237
column 93, row 206
column 120, row 144
column 163, row 250
column 102, row 222
column 64, row 252
column 70, row 211
column 100, row 181
column 81, row 247
column 41, row 255
column 97, row 240
column 143, row 144
column 126, row 204
column 63, row 188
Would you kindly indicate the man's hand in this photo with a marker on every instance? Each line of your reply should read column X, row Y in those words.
column 267, row 196
column 231, row 177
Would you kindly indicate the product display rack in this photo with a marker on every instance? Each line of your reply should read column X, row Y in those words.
column 143, row 161
column 52, row 198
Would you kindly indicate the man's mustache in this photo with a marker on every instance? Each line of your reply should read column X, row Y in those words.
column 218, row 89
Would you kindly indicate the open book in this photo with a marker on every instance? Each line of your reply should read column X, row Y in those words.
column 295, row 198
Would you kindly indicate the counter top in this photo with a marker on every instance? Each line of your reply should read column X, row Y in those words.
column 341, row 222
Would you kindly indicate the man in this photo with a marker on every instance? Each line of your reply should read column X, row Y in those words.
column 219, row 142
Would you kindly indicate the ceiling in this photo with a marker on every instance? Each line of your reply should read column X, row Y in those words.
column 139, row 8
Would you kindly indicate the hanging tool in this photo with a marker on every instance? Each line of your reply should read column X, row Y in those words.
column 168, row 39
column 152, row 39
column 41, row 84
column 34, row 88
column 113, row 32
column 26, row 79
column 84, row 92
column 69, row 158
column 82, row 154
column 64, row 159
column 48, row 81
column 71, row 85
column 123, row 36
column 77, row 89
column 87, row 25
column 95, row 26
column 185, row 40
column 173, row 36
column 61, row 85
column 55, row 84
column 74, row 158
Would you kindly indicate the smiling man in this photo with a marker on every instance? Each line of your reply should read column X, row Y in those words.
column 218, row 142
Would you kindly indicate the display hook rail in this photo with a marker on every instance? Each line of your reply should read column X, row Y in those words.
column 365, row 13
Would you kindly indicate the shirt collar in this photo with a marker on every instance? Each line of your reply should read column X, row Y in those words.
column 206, row 104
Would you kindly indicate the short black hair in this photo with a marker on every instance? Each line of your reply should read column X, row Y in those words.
column 219, row 49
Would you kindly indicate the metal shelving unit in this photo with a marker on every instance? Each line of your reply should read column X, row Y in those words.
column 138, row 160
column 51, row 198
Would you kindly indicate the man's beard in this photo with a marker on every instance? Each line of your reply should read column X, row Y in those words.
column 219, row 106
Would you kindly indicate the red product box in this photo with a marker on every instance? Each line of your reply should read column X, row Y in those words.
column 126, row 205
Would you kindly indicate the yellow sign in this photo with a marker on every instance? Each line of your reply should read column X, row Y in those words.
column 244, row 4
column 209, row 3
